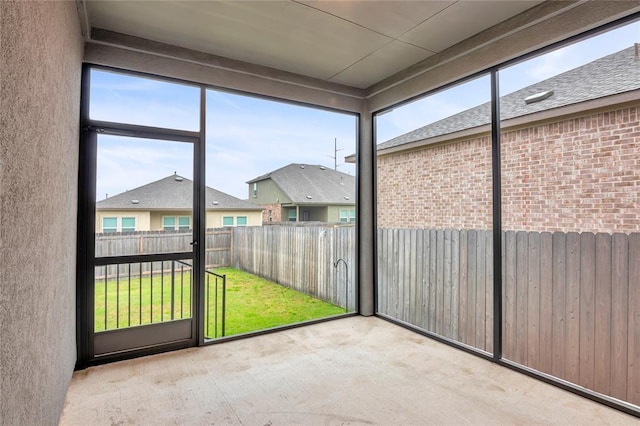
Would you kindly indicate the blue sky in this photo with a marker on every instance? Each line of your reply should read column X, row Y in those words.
column 245, row 136
column 248, row 136
column 470, row 94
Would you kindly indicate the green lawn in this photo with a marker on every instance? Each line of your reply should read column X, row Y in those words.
column 252, row 303
column 149, row 303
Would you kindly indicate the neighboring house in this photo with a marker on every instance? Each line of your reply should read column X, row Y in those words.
column 574, row 153
column 167, row 204
column 304, row 192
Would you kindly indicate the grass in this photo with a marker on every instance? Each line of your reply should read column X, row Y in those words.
column 252, row 303
column 148, row 303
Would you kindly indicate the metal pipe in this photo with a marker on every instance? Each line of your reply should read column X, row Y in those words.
column 215, row 311
column 117, row 296
column 140, row 293
column 224, row 302
column 161, row 291
column 346, row 282
column 173, row 283
column 151, row 297
column 181, row 290
column 106, row 272
column 207, row 307
column 129, row 288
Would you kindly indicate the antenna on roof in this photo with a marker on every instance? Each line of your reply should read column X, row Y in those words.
column 335, row 153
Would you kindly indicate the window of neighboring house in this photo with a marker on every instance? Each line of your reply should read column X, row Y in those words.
column 109, row 224
column 227, row 221
column 241, row 221
column 352, row 215
column 292, row 215
column 347, row 215
column 168, row 223
column 255, row 189
column 128, row 224
column 171, row 223
column 184, row 223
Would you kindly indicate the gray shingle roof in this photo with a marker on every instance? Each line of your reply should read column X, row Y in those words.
column 323, row 184
column 172, row 193
column 610, row 75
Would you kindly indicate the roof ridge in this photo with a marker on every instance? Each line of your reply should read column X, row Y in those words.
column 161, row 193
column 475, row 116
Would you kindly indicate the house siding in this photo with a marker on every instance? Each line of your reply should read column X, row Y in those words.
column 334, row 212
column 153, row 221
column 156, row 218
column 143, row 219
column 214, row 218
column 268, row 193
column 580, row 174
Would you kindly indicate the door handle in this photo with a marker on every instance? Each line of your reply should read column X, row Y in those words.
column 193, row 243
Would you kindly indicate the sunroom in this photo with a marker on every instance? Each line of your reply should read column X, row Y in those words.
column 496, row 236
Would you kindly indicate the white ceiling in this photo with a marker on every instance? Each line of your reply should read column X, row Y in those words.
column 357, row 43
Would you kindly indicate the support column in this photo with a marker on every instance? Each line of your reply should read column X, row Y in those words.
column 366, row 214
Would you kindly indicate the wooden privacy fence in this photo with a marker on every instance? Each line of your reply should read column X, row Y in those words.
column 302, row 258
column 572, row 308
column 219, row 243
column 571, row 302
column 299, row 257
column 438, row 280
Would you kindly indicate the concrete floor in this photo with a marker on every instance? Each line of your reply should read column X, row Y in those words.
column 345, row 372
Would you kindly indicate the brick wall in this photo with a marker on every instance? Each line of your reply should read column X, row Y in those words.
column 444, row 186
column 580, row 174
column 271, row 213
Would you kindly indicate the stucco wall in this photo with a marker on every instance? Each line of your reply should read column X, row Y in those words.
column 40, row 91
column 580, row 174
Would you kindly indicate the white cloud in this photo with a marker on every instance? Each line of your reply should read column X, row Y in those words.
column 432, row 108
column 566, row 58
column 553, row 63
column 244, row 146
column 136, row 100
column 127, row 163
column 246, row 137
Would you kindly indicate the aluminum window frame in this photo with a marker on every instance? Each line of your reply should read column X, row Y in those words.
column 498, row 294
column 86, row 208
